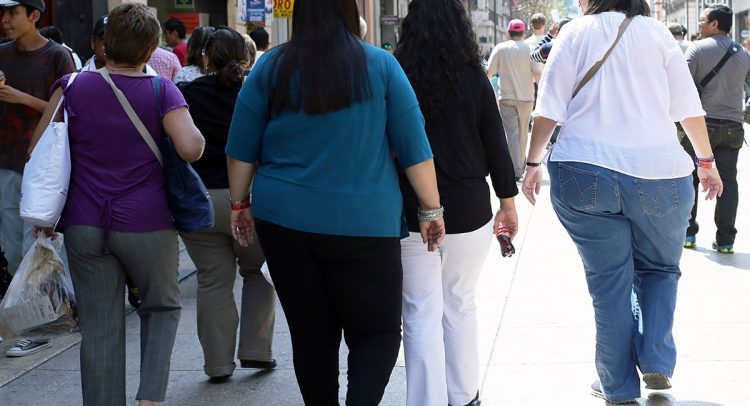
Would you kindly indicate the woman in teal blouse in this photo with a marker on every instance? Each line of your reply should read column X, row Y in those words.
column 315, row 130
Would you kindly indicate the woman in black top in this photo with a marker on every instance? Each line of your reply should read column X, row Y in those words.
column 211, row 99
column 439, row 54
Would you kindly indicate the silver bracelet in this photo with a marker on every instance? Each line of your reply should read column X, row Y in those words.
column 430, row 215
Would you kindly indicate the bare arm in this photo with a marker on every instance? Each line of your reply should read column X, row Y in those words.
column 46, row 119
column 9, row 94
column 695, row 128
column 540, row 136
column 424, row 182
column 186, row 137
column 241, row 176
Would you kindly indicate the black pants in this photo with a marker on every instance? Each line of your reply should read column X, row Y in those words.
column 327, row 284
column 726, row 140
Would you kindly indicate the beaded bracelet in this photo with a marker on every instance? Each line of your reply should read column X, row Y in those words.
column 430, row 215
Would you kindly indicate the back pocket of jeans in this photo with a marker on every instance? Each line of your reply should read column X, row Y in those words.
column 658, row 197
column 577, row 187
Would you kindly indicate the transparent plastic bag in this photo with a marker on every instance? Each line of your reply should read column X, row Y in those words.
column 40, row 299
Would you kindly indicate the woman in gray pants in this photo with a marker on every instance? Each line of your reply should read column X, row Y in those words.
column 215, row 253
column 116, row 219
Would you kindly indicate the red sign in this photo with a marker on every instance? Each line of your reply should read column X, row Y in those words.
column 191, row 20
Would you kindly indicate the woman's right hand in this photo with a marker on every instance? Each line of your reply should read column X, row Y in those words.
column 710, row 182
column 243, row 226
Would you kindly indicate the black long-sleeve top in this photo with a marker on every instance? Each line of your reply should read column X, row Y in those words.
column 211, row 107
column 468, row 143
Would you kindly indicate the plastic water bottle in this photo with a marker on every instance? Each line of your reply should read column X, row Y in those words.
column 506, row 245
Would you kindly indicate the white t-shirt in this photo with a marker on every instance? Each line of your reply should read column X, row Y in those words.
column 623, row 119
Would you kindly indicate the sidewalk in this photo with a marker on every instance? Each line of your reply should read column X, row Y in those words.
column 536, row 332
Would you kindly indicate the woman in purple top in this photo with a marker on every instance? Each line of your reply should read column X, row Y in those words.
column 116, row 219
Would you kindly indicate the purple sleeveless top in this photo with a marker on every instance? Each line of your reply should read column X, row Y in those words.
column 116, row 182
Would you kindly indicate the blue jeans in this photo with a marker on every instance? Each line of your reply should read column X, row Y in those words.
column 629, row 234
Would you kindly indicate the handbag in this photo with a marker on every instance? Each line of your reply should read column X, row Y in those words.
column 187, row 196
column 733, row 49
column 595, row 68
column 46, row 176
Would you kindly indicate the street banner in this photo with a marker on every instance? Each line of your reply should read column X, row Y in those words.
column 282, row 8
column 256, row 12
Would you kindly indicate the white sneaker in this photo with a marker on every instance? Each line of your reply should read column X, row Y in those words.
column 25, row 346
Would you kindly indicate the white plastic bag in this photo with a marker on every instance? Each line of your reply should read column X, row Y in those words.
column 46, row 176
column 40, row 297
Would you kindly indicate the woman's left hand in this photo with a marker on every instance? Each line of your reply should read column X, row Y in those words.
column 508, row 218
column 532, row 183
column 48, row 232
column 433, row 233
column 243, row 226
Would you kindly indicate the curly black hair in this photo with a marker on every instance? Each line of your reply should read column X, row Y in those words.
column 436, row 43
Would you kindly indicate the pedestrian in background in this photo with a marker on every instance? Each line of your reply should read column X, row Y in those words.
column 116, row 220
column 30, row 64
column 262, row 43
column 53, row 33
column 441, row 58
column 620, row 181
column 165, row 63
column 99, row 59
column 326, row 200
column 216, row 255
column 723, row 99
column 517, row 74
column 175, row 34
column 196, row 46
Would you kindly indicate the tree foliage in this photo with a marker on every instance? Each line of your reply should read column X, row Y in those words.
column 524, row 9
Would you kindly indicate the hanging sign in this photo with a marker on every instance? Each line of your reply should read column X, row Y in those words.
column 283, row 8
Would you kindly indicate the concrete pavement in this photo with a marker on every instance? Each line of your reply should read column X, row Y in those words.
column 536, row 333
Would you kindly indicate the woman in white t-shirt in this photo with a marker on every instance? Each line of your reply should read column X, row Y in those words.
column 621, row 182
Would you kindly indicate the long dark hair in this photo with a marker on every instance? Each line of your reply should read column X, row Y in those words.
column 631, row 8
column 323, row 67
column 436, row 43
column 227, row 54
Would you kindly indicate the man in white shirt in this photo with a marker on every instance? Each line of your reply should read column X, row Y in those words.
column 679, row 32
column 538, row 30
column 510, row 60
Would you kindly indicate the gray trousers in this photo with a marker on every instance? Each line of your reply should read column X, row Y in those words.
column 15, row 234
column 516, row 115
column 98, row 274
column 216, row 256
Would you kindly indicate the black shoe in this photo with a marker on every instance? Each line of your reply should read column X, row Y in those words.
column 249, row 363
column 219, row 379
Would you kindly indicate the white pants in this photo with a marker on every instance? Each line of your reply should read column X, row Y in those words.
column 440, row 321
column 15, row 234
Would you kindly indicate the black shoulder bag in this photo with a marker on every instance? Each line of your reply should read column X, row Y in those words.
column 733, row 49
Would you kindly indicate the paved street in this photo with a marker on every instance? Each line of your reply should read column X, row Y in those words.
column 535, row 323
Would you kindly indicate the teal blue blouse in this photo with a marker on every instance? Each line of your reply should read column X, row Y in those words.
column 331, row 173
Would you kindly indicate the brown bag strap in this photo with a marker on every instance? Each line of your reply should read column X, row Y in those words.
column 132, row 115
column 590, row 74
